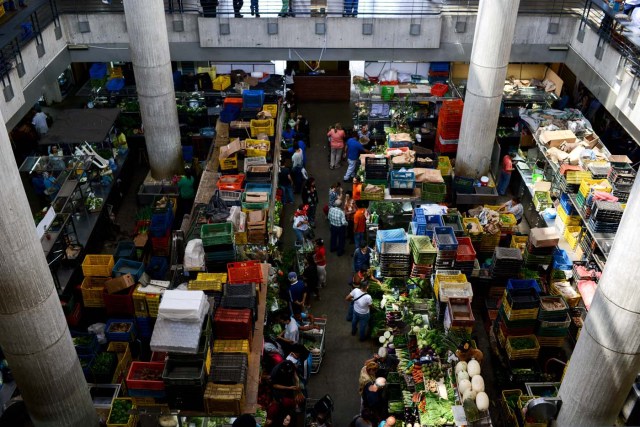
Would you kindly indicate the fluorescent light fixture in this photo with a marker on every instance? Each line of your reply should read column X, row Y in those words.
column 558, row 47
column 78, row 47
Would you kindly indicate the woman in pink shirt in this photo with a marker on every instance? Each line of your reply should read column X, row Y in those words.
column 336, row 135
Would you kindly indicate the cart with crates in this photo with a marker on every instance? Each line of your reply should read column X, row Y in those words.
column 316, row 340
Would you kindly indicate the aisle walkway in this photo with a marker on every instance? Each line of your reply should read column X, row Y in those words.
column 345, row 355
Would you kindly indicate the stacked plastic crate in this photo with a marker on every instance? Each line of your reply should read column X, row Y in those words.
column 621, row 179
column 161, row 222
column 540, row 248
column 448, row 130
column 423, row 255
column 394, row 253
column 553, row 321
column 438, row 72
column 465, row 256
column 446, row 244
column 517, row 319
column 219, row 245
column 507, row 263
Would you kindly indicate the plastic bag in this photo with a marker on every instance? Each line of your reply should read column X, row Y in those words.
column 98, row 329
column 194, row 254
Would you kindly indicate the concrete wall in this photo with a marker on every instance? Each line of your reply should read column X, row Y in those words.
column 599, row 76
column 40, row 76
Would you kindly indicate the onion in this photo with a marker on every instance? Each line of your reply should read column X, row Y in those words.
column 473, row 368
column 463, row 386
column 382, row 339
column 469, row 394
column 461, row 366
column 387, row 334
column 482, row 401
column 463, row 375
column 477, row 383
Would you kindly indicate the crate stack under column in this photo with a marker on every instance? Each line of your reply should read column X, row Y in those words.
column 448, row 130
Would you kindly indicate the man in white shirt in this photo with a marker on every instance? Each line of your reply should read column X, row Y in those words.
column 40, row 122
column 361, row 304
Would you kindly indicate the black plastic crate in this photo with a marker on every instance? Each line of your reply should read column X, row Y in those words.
column 184, row 372
column 229, row 375
column 240, row 290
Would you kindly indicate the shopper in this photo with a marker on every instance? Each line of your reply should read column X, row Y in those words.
column 310, row 198
column 290, row 334
column 245, row 420
column 299, row 356
column 254, row 8
column 389, row 422
column 514, row 207
column 374, row 399
column 296, row 171
column 354, row 149
column 361, row 304
column 310, row 276
column 303, row 146
column 301, row 224
column 285, row 183
column 350, row 8
column 187, row 194
column 386, row 362
column 367, row 375
column 349, row 213
column 297, row 294
column 337, row 136
column 363, row 275
column 338, row 224
column 284, row 419
column 363, row 135
column 237, row 6
column 335, row 193
column 285, row 385
column 288, row 136
column 285, row 10
column 320, row 258
column 360, row 225
column 364, row 419
column 362, row 258
column 273, row 353
column 40, row 122
column 303, row 129
column 505, row 173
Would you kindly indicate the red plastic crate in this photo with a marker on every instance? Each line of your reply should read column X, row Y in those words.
column 465, row 250
column 232, row 100
column 233, row 324
column 73, row 319
column 230, row 182
column 145, row 384
column 161, row 242
column 439, row 89
column 244, row 272
column 120, row 303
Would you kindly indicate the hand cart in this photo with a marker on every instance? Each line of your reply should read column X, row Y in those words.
column 318, row 342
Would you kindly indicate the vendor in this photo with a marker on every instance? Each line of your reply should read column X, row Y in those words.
column 363, row 275
column 362, row 257
column 286, row 387
column 297, row 293
column 386, row 362
column 514, row 207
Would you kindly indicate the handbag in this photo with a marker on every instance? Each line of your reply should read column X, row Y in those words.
column 350, row 312
column 304, row 173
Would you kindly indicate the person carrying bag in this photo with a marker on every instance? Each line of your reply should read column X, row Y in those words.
column 351, row 304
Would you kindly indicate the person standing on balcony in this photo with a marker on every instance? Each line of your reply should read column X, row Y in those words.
column 254, row 8
column 237, row 5
column 350, row 8
column 40, row 122
column 629, row 6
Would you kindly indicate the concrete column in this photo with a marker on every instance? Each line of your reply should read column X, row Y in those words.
column 149, row 44
column 33, row 332
column 606, row 359
column 488, row 68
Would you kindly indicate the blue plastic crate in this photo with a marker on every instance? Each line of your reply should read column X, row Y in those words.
column 144, row 326
column 187, row 153
column 157, row 267
column 125, row 249
column 98, row 70
column 399, row 144
column 134, row 392
column 161, row 222
column 396, row 235
column 433, row 221
column 252, row 98
column 445, row 238
column 567, row 205
column 88, row 349
column 128, row 336
column 126, row 266
column 517, row 284
column 115, row 84
column 402, row 179
column 258, row 187
column 208, row 132
column 229, row 113
column 561, row 260
column 439, row 66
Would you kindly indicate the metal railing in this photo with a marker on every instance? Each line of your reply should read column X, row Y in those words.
column 330, row 8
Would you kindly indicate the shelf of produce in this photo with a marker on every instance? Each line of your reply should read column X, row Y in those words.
column 603, row 240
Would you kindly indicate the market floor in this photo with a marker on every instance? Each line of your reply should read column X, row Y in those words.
column 338, row 375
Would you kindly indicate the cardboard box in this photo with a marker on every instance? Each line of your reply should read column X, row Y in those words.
column 592, row 140
column 119, row 283
column 230, row 149
column 222, row 129
column 542, row 186
column 553, row 138
column 526, row 140
column 544, row 237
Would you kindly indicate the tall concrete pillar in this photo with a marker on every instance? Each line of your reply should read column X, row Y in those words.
column 606, row 358
column 33, row 332
column 488, row 68
column 149, row 44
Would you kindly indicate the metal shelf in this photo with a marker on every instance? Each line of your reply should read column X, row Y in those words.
column 603, row 240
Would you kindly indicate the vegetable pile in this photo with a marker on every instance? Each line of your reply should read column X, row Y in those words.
column 120, row 411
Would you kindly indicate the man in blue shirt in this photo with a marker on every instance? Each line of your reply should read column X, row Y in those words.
column 297, row 293
column 288, row 136
column 354, row 148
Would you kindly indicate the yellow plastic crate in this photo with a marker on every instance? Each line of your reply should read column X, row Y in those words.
column 204, row 285
column 224, row 399
column 153, row 303
column 140, row 303
column 565, row 218
column 572, row 234
column 576, row 177
column 123, row 353
column 444, row 165
column 526, row 314
column 133, row 419
column 475, row 221
column 231, row 346
column 594, row 184
column 489, row 242
column 508, row 223
column 519, row 242
column 97, row 265
column 261, row 126
column 257, row 147
column 449, row 278
column 528, row 353
column 271, row 108
column 92, row 288
column 229, row 163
